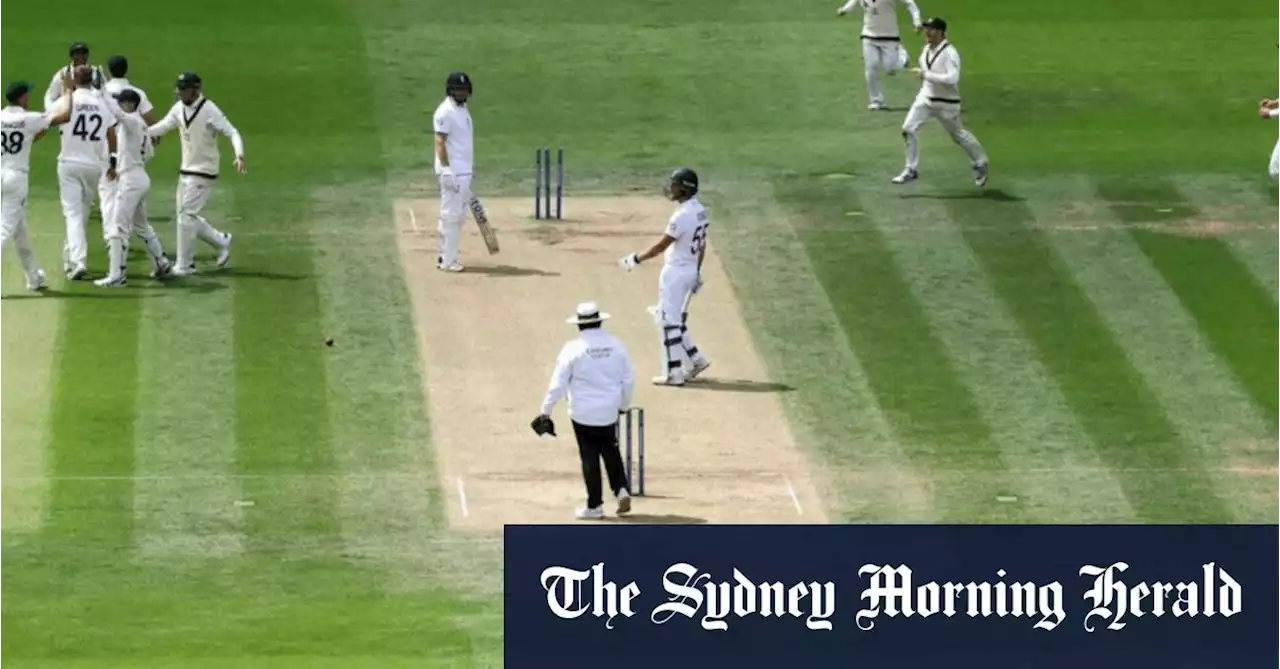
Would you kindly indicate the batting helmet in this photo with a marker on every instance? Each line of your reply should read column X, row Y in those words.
column 686, row 179
column 457, row 80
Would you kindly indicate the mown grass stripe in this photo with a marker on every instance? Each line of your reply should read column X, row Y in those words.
column 836, row 417
column 1110, row 398
column 185, row 506
column 91, row 421
column 1238, row 212
column 1201, row 399
column 908, row 367
column 282, row 415
column 30, row 331
column 1057, row 476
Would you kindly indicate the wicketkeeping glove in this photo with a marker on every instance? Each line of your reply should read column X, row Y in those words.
column 543, row 425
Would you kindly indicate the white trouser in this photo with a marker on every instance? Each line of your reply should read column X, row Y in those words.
column 13, row 205
column 129, row 214
column 193, row 194
column 107, row 200
column 453, row 213
column 77, row 183
column 675, row 291
column 881, row 54
column 1275, row 162
column 948, row 114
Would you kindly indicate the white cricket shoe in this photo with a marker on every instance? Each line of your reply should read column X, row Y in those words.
column 452, row 267
column 875, row 106
column 907, row 176
column 189, row 270
column 624, row 502
column 672, row 379
column 163, row 268
column 590, row 513
column 980, row 174
column 36, row 282
column 224, row 253
column 77, row 272
column 111, row 282
column 699, row 366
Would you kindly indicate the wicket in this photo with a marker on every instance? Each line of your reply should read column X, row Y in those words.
column 636, row 413
column 542, row 183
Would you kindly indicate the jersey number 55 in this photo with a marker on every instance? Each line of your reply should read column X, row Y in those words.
column 699, row 240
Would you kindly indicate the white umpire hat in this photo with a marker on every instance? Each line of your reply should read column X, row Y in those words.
column 588, row 312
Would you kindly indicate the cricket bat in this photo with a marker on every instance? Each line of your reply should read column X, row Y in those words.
column 482, row 222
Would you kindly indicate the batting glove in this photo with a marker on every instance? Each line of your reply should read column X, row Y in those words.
column 447, row 181
column 629, row 261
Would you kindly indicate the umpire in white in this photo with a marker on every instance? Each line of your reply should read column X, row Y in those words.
column 596, row 373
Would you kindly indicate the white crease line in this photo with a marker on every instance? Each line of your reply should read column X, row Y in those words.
column 413, row 220
column 462, row 497
column 795, row 499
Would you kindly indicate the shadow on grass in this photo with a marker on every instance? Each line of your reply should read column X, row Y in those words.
column 739, row 386
column 991, row 194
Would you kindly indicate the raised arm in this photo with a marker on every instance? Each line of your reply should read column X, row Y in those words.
column 915, row 13
column 54, row 91
column 849, row 6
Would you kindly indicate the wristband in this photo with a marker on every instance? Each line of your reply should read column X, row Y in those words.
column 113, row 162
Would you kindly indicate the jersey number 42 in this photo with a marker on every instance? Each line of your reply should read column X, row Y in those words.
column 81, row 128
column 12, row 142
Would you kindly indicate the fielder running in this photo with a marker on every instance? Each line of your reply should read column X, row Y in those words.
column 939, row 98
column 881, row 44
column 1271, row 109
column 19, row 128
column 129, row 193
column 684, row 247
column 118, row 66
column 199, row 121
column 80, row 166
column 452, row 123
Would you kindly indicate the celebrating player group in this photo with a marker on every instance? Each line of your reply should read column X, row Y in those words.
column 108, row 135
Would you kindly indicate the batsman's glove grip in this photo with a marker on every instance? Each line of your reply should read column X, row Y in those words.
column 543, row 425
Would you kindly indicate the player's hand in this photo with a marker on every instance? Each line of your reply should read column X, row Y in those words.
column 840, row 12
column 918, row 72
column 1263, row 112
column 629, row 261
column 68, row 80
column 919, row 29
column 697, row 285
column 240, row 166
column 111, row 174
column 1266, row 102
column 448, row 182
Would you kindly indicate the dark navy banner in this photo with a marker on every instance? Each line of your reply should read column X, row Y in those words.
column 735, row 596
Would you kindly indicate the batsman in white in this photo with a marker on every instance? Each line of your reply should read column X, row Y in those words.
column 1271, row 109
column 881, row 44
column 454, row 151
column 80, row 165
column 19, row 128
column 118, row 66
column 684, row 246
column 129, row 194
column 199, row 122
column 79, row 54
column 939, row 98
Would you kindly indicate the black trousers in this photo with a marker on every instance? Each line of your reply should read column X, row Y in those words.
column 595, row 443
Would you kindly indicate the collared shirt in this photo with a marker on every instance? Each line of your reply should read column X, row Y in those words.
column 941, row 65
column 595, row 371
column 199, row 126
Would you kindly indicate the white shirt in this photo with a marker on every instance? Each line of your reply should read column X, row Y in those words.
column 199, row 126
column 941, row 65
column 880, row 17
column 19, row 128
column 113, row 88
column 596, row 372
column 454, row 121
column 688, row 226
column 133, row 143
column 84, row 138
column 55, row 91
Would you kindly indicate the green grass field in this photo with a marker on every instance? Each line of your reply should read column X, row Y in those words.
column 1095, row 333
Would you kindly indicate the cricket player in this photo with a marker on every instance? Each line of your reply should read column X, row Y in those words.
column 939, row 98
column 19, row 128
column 683, row 246
column 80, row 165
column 79, row 54
column 454, row 152
column 881, row 44
column 118, row 66
column 131, row 186
column 199, row 121
column 1271, row 109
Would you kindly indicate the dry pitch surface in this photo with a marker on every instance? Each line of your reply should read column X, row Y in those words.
column 718, row 450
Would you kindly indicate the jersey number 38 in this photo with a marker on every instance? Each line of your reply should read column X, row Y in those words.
column 12, row 142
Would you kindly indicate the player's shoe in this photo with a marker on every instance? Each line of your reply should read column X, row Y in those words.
column 980, row 174
column 907, row 176
column 875, row 106
column 163, row 269
column 590, row 513
column 624, row 502
column 180, row 272
column 224, row 253
column 452, row 267
column 699, row 366
column 111, row 282
column 77, row 273
column 36, row 282
column 672, row 379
